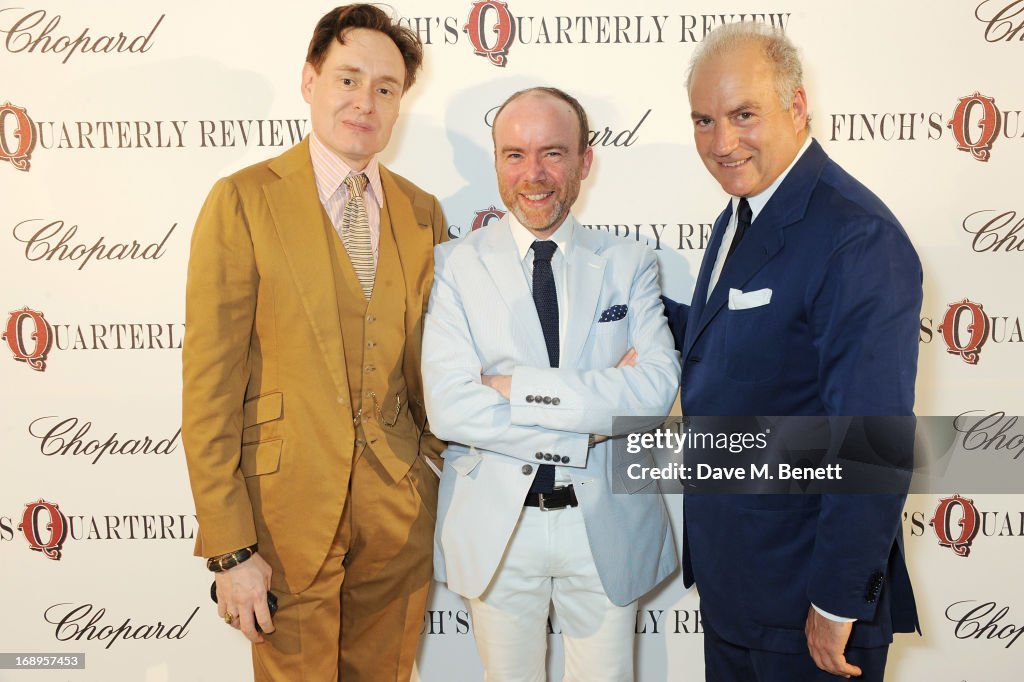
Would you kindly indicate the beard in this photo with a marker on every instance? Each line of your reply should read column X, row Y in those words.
column 551, row 215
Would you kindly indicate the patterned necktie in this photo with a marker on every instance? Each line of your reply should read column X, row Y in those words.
column 355, row 232
column 743, row 216
column 545, row 298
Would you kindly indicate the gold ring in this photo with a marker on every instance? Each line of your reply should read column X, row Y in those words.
column 229, row 617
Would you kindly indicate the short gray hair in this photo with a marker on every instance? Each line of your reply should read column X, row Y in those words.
column 780, row 52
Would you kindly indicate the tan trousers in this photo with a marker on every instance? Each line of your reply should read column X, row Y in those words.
column 361, row 619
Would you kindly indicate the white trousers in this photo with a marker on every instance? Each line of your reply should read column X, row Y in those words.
column 548, row 561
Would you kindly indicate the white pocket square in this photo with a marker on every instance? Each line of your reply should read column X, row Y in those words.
column 744, row 300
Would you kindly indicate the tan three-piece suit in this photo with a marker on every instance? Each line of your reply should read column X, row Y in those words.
column 303, row 419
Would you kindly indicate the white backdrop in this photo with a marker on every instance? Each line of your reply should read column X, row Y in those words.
column 128, row 134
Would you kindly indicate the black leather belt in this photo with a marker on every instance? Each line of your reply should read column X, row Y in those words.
column 559, row 498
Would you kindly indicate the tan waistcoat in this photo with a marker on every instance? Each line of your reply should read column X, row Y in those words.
column 379, row 402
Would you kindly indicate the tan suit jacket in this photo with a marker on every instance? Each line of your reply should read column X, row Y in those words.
column 267, row 416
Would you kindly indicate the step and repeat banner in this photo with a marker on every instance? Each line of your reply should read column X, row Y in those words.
column 116, row 118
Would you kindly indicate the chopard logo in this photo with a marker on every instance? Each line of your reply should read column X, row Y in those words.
column 1003, row 20
column 37, row 31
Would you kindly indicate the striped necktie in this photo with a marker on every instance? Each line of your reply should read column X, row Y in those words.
column 355, row 232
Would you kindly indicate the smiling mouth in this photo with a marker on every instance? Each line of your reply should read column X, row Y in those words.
column 541, row 196
column 733, row 164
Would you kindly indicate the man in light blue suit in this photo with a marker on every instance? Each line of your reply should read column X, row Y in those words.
column 807, row 303
column 539, row 333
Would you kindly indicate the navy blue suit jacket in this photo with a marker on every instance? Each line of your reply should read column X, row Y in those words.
column 839, row 337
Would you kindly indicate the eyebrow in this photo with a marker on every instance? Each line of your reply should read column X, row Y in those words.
column 551, row 147
column 344, row 69
column 743, row 106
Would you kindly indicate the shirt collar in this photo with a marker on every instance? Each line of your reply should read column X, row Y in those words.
column 758, row 202
column 330, row 171
column 524, row 238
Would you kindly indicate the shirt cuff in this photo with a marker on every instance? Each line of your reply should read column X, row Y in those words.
column 833, row 617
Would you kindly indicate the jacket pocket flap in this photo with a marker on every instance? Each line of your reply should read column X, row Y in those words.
column 261, row 458
column 635, row 484
column 464, row 464
column 422, row 215
column 262, row 408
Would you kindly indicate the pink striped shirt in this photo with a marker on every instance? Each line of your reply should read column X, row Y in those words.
column 330, row 173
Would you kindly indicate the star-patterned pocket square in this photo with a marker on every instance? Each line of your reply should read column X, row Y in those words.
column 616, row 312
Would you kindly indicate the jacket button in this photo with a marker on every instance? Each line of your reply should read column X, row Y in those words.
column 527, row 469
column 564, row 458
column 547, row 400
column 529, row 398
column 547, row 456
column 555, row 401
column 539, row 455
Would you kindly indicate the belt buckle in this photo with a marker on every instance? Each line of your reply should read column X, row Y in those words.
column 544, row 507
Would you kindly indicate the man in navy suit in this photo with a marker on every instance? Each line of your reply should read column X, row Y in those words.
column 807, row 303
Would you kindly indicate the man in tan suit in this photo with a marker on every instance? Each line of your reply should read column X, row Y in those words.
column 303, row 419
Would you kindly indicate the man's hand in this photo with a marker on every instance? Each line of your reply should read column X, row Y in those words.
column 627, row 360
column 242, row 592
column 502, row 383
column 826, row 641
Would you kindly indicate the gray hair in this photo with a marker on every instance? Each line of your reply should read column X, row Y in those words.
column 777, row 48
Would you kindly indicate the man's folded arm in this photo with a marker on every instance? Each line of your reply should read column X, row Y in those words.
column 589, row 400
column 460, row 408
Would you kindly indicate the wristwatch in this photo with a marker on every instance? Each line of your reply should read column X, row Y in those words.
column 223, row 562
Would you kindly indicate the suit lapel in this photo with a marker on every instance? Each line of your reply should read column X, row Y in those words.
column 584, row 275
column 414, row 242
column 763, row 240
column 299, row 220
column 700, row 291
column 413, row 237
column 759, row 246
column 500, row 258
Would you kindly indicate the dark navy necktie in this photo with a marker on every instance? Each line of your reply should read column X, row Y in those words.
column 545, row 298
column 743, row 216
